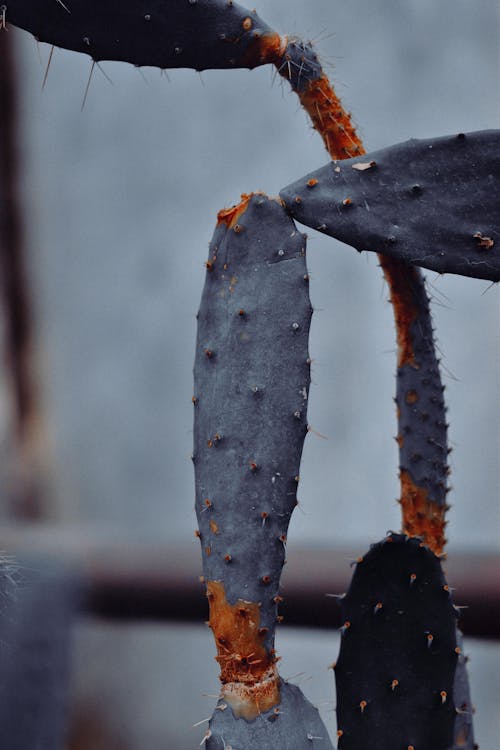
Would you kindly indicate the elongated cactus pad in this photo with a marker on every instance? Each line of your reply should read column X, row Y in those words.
column 251, row 389
column 432, row 203
column 197, row 34
column 398, row 655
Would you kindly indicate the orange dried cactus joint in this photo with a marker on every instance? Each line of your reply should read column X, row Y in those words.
column 421, row 516
column 264, row 48
column 330, row 119
column 230, row 216
column 250, row 682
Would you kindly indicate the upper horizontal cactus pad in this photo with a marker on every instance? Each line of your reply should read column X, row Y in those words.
column 197, row 34
column 433, row 203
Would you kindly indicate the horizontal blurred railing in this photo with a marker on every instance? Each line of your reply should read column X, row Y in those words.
column 129, row 580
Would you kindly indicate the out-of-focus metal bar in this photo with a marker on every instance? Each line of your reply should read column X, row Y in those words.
column 128, row 580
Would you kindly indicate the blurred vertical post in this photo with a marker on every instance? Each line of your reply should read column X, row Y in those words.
column 19, row 421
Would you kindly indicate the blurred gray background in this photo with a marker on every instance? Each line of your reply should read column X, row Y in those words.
column 122, row 200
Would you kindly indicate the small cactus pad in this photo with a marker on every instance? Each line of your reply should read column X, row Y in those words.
column 294, row 724
column 250, row 401
column 432, row 203
column 398, row 657
column 197, row 34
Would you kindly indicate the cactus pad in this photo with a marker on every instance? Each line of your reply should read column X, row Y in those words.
column 197, row 34
column 251, row 390
column 432, row 203
column 398, row 654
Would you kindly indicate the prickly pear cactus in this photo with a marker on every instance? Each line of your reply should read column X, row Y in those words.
column 398, row 655
column 251, row 389
column 432, row 203
column 197, row 34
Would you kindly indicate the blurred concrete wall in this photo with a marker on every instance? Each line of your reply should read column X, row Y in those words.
column 122, row 199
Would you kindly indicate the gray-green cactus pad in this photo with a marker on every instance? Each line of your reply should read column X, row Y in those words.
column 196, row 34
column 251, row 388
column 433, row 203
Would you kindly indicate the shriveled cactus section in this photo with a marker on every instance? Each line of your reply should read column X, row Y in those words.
column 197, row 34
column 251, row 389
column 432, row 203
column 398, row 656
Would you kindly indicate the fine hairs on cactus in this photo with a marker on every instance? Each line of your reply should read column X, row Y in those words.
column 251, row 388
column 432, row 203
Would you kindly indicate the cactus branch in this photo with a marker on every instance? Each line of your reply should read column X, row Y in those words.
column 422, row 440
column 408, row 297
column 197, row 34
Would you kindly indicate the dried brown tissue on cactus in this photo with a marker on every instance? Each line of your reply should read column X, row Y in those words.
column 250, row 682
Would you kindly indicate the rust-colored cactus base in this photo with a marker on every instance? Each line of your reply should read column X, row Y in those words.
column 248, row 673
column 422, row 517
